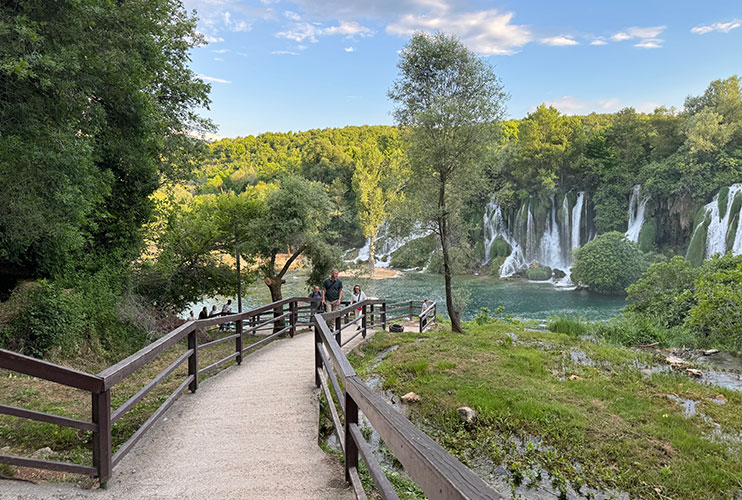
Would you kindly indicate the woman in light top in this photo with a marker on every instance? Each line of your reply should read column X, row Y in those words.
column 356, row 297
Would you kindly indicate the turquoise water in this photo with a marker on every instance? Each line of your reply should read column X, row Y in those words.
column 522, row 299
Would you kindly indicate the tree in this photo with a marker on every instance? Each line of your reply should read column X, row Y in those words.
column 608, row 264
column 96, row 102
column 295, row 219
column 449, row 99
column 378, row 180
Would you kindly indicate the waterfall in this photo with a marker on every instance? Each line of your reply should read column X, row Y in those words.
column 552, row 248
column 637, row 204
column 577, row 220
column 387, row 243
column 718, row 228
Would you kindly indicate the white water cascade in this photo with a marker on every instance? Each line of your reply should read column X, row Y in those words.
column 719, row 227
column 637, row 204
column 553, row 248
column 386, row 244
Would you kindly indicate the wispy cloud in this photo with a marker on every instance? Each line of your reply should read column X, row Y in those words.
column 721, row 27
column 292, row 15
column 560, row 41
column 213, row 79
column 488, row 32
column 599, row 41
column 310, row 32
column 284, row 53
column 349, row 49
column 211, row 39
column 572, row 105
column 220, row 51
column 650, row 43
column 648, row 36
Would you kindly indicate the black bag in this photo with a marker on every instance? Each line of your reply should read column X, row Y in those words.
column 396, row 328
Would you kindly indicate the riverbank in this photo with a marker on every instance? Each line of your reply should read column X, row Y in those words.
column 566, row 417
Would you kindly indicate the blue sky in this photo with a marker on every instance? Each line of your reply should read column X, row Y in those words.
column 280, row 65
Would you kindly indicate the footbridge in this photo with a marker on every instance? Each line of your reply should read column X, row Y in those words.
column 250, row 431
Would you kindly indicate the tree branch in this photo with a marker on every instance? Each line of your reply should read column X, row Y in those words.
column 291, row 260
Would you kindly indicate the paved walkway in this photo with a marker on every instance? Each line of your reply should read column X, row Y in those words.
column 248, row 433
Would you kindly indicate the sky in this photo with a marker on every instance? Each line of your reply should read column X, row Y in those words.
column 290, row 65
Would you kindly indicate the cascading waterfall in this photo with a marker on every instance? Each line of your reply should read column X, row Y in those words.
column 577, row 220
column 637, row 204
column 719, row 227
column 386, row 244
column 553, row 248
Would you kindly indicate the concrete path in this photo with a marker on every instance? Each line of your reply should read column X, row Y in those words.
column 248, row 433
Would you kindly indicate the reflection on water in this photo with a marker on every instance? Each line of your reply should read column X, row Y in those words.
column 522, row 299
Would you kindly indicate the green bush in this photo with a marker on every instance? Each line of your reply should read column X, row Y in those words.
column 631, row 329
column 717, row 314
column 416, row 253
column 568, row 325
column 608, row 264
column 539, row 273
column 500, row 248
column 665, row 292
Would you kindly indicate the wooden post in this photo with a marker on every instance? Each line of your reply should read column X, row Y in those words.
column 364, row 323
column 383, row 315
column 238, row 342
column 373, row 320
column 294, row 317
column 317, row 357
column 193, row 360
column 351, row 448
column 102, row 438
column 338, row 327
column 411, row 311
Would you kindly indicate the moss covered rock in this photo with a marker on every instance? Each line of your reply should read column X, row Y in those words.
column 697, row 247
column 648, row 235
column 416, row 253
column 500, row 248
column 539, row 273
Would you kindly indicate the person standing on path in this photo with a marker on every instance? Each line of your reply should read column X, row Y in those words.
column 356, row 297
column 332, row 294
column 315, row 294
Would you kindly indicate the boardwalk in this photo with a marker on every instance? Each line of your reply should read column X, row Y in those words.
column 248, row 433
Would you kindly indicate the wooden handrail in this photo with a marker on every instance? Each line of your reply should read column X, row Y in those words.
column 440, row 475
column 27, row 365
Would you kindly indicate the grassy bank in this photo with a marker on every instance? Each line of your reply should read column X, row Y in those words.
column 578, row 413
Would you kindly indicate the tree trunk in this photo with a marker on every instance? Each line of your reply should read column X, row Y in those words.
column 447, row 274
column 274, row 285
column 372, row 253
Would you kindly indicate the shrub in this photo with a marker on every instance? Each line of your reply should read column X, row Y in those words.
column 567, row 325
column 665, row 292
column 539, row 273
column 608, row 264
column 416, row 253
column 632, row 329
column 717, row 313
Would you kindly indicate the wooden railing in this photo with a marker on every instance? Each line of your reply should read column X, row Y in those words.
column 436, row 472
column 427, row 317
column 278, row 318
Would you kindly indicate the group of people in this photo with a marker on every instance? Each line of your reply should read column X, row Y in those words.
column 331, row 295
column 205, row 313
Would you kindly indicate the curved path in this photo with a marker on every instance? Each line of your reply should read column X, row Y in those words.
column 248, row 433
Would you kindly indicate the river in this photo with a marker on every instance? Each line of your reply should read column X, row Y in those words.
column 522, row 299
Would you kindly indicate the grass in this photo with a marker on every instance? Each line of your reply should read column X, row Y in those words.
column 598, row 421
column 24, row 437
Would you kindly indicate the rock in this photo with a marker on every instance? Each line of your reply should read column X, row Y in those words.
column 720, row 398
column 675, row 362
column 693, row 372
column 710, row 352
column 410, row 397
column 467, row 414
column 575, row 377
column 44, row 453
column 646, row 371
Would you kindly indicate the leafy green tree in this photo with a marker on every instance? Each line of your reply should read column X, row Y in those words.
column 608, row 264
column 717, row 314
column 96, row 102
column 378, row 180
column 295, row 219
column 448, row 98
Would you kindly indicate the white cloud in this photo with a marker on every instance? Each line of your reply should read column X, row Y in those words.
column 349, row 49
column 306, row 31
column 648, row 32
column 559, row 41
column 599, row 41
column 651, row 43
column 647, row 107
column 219, row 59
column 220, row 51
column 213, row 79
column 241, row 26
column 292, row 15
column 620, row 37
column 211, row 39
column 488, row 32
column 284, row 53
column 722, row 27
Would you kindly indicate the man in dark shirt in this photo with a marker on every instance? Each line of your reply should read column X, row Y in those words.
column 332, row 294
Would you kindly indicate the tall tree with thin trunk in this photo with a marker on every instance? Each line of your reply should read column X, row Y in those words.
column 378, row 179
column 447, row 98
